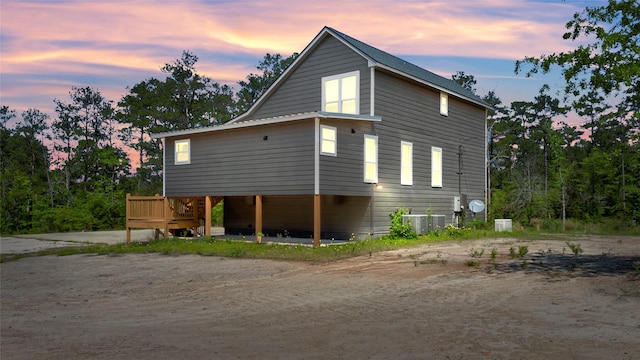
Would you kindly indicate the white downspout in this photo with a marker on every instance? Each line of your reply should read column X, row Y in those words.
column 164, row 167
column 372, row 95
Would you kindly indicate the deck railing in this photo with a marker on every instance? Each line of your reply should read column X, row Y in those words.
column 164, row 213
column 145, row 207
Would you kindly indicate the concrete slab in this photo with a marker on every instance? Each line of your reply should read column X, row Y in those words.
column 17, row 244
column 93, row 237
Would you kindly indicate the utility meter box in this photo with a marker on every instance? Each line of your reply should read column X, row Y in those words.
column 459, row 203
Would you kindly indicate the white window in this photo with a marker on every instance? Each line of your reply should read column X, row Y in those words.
column 183, row 152
column 436, row 167
column 406, row 163
column 444, row 104
column 370, row 159
column 341, row 93
column 328, row 140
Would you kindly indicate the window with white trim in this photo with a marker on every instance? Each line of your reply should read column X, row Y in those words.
column 328, row 140
column 444, row 103
column 406, row 163
column 341, row 93
column 370, row 159
column 182, row 152
column 436, row 167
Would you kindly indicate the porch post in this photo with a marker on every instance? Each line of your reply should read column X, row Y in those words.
column 316, row 220
column 207, row 216
column 258, row 218
column 127, row 206
column 316, row 186
column 167, row 215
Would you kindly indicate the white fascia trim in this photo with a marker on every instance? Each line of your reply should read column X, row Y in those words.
column 267, row 121
column 330, row 115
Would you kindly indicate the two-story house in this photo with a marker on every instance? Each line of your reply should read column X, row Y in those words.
column 346, row 135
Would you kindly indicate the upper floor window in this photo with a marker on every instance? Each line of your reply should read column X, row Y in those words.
column 341, row 93
column 406, row 163
column 444, row 103
column 328, row 140
column 436, row 167
column 370, row 159
column 183, row 152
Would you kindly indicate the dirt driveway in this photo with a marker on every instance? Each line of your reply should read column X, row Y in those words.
column 443, row 301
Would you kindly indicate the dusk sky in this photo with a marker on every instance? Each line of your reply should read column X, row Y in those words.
column 49, row 46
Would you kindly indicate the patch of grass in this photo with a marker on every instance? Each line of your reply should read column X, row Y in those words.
column 576, row 249
column 522, row 252
column 476, row 253
column 237, row 248
column 494, row 254
column 253, row 250
column 431, row 262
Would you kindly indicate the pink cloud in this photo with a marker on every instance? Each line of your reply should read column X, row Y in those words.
column 128, row 41
column 48, row 31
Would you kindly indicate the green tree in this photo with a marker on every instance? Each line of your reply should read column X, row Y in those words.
column 189, row 99
column 609, row 59
column 271, row 67
column 64, row 139
column 184, row 100
column 22, row 174
column 33, row 127
column 496, row 129
column 466, row 81
column 139, row 112
column 603, row 76
column 84, row 127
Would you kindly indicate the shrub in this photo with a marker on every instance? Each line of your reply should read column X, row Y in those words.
column 398, row 229
column 453, row 231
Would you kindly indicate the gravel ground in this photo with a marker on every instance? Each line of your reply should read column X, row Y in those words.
column 437, row 301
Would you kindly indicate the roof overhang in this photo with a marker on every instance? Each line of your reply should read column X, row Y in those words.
column 267, row 121
column 377, row 65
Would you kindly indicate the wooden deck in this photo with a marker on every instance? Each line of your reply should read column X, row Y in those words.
column 164, row 214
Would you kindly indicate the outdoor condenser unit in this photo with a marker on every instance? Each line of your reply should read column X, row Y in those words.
column 437, row 222
column 418, row 223
column 422, row 224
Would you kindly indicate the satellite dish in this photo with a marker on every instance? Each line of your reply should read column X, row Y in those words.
column 476, row 206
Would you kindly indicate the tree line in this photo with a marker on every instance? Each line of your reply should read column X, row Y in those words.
column 72, row 172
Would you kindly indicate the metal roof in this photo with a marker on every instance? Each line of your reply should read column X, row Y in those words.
column 376, row 58
column 267, row 121
column 387, row 61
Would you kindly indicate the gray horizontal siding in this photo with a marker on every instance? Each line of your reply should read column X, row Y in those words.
column 302, row 90
column 411, row 113
column 240, row 162
column 343, row 174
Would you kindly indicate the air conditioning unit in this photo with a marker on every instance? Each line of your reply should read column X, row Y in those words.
column 503, row 225
column 437, row 223
column 418, row 223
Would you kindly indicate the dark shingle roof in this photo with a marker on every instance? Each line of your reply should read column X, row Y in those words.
column 406, row 68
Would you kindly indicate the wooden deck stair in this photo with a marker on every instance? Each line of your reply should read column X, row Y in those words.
column 169, row 214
